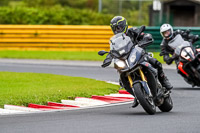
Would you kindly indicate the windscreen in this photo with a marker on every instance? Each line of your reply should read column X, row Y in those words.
column 178, row 43
column 120, row 44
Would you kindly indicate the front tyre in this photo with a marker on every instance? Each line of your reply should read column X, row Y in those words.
column 167, row 105
column 145, row 101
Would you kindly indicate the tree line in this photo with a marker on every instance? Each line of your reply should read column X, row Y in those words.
column 71, row 12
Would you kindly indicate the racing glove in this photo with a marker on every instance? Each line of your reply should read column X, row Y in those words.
column 168, row 59
column 107, row 61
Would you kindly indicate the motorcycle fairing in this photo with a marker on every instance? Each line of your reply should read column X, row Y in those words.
column 149, row 66
column 180, row 67
column 135, row 56
column 198, row 50
column 193, row 69
column 177, row 43
column 120, row 45
column 187, row 53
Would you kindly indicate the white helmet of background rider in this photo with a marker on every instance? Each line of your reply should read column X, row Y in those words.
column 166, row 31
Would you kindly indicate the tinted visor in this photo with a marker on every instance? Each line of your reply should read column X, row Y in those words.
column 117, row 29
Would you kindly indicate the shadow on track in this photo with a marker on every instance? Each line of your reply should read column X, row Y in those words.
column 142, row 113
column 189, row 89
column 139, row 111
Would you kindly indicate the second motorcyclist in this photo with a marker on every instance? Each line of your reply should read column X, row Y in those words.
column 168, row 34
column 119, row 25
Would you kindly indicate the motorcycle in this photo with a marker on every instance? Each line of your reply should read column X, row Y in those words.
column 187, row 59
column 137, row 76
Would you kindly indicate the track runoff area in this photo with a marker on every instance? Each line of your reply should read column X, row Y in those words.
column 123, row 97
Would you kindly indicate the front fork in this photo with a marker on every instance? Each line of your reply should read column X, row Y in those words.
column 141, row 74
column 143, row 82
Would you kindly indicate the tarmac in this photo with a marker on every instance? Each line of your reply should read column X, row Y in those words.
column 65, row 62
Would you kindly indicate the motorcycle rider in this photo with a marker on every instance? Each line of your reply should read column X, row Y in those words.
column 119, row 25
column 168, row 34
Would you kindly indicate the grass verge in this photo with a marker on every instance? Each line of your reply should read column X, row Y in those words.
column 58, row 55
column 51, row 55
column 24, row 88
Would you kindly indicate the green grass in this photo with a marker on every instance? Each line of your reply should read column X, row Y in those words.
column 24, row 88
column 158, row 57
column 58, row 55
column 51, row 55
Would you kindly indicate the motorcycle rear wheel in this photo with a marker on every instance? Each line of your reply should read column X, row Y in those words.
column 167, row 105
column 145, row 101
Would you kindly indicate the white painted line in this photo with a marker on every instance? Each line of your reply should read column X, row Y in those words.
column 20, row 108
column 91, row 101
column 115, row 83
column 7, row 111
column 77, row 103
column 121, row 95
column 86, row 107
column 90, row 107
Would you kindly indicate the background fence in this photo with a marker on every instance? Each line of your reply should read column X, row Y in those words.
column 66, row 37
column 155, row 31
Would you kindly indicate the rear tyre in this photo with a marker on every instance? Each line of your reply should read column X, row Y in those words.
column 145, row 101
column 167, row 105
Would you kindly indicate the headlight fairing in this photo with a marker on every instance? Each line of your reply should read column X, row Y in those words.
column 119, row 64
column 184, row 55
column 187, row 53
column 132, row 58
column 134, row 55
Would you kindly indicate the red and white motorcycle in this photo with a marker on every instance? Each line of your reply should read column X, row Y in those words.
column 188, row 60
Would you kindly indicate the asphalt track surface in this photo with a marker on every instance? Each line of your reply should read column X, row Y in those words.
column 184, row 118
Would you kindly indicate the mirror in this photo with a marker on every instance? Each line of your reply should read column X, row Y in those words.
column 102, row 52
column 150, row 54
column 142, row 28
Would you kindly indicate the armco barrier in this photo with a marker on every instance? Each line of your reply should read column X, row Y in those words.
column 55, row 37
column 67, row 37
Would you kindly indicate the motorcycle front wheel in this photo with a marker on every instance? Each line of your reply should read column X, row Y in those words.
column 145, row 101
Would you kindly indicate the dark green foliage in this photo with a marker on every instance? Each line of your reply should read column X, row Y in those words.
column 57, row 15
column 74, row 12
column 37, row 3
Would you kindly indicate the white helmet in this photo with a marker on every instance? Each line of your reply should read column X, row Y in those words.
column 166, row 31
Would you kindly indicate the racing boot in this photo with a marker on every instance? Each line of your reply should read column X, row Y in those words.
column 164, row 81
column 135, row 103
